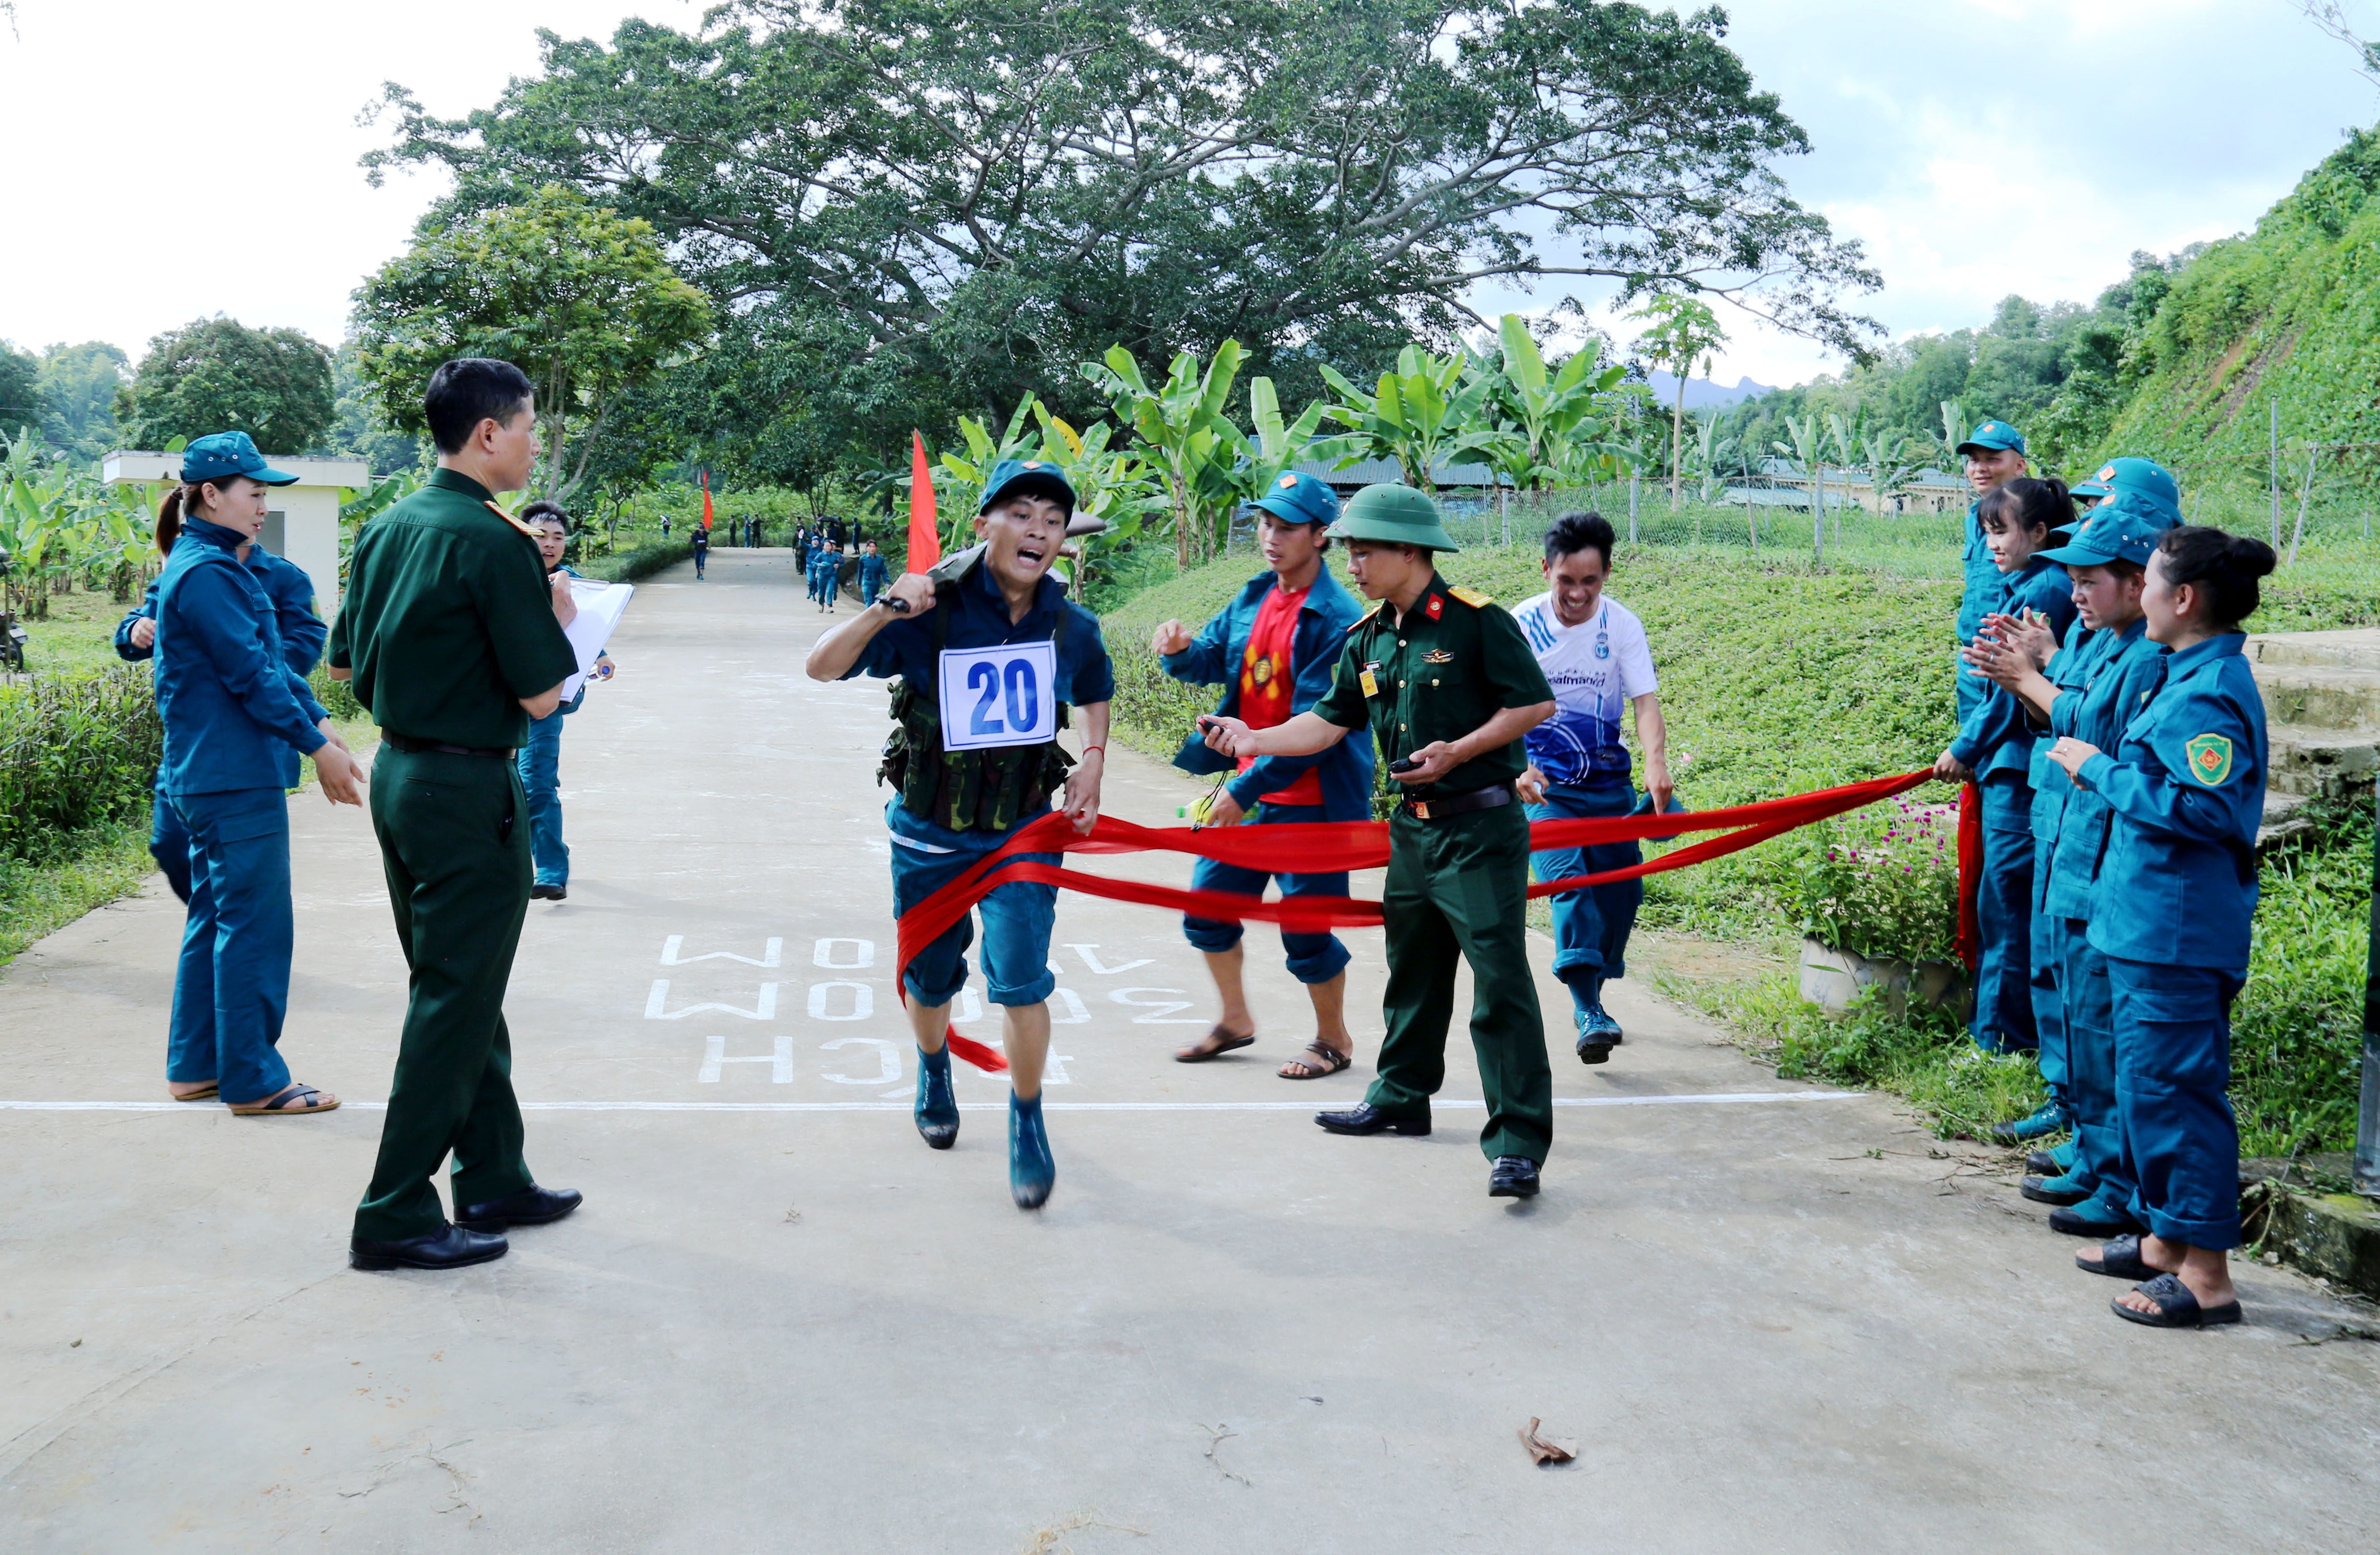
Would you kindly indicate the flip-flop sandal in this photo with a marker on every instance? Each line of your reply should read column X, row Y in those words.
column 1319, row 1059
column 209, row 1094
column 1217, row 1042
column 2176, row 1308
column 2120, row 1259
column 297, row 1099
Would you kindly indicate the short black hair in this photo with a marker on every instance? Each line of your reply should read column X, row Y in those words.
column 2226, row 565
column 1576, row 531
column 544, row 509
column 470, row 390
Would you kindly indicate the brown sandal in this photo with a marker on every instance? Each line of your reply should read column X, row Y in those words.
column 290, row 1102
column 1214, row 1045
column 207, row 1094
column 1330, row 1061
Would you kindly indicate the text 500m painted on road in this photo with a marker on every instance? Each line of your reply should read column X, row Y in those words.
column 1000, row 696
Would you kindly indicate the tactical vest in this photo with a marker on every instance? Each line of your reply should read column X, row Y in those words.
column 964, row 790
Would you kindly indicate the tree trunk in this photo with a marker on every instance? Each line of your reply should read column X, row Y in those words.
column 1181, row 526
column 1678, row 441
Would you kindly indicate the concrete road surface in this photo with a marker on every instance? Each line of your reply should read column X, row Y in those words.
column 781, row 1323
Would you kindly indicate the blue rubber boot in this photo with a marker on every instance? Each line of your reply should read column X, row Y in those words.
column 2071, row 1188
column 2047, row 1118
column 1031, row 1172
column 938, row 1105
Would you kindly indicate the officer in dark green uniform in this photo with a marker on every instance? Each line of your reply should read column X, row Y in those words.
column 455, row 640
column 1446, row 682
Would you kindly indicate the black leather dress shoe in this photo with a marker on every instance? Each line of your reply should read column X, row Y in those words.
column 1369, row 1119
column 1512, row 1177
column 549, row 893
column 531, row 1206
column 450, row 1247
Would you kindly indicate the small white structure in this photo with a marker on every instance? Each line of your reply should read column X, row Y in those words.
column 303, row 524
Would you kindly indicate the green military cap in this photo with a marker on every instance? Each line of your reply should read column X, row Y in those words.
column 1394, row 514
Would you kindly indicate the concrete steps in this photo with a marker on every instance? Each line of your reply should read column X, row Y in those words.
column 2322, row 712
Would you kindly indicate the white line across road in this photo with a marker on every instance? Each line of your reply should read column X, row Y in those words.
column 1457, row 1105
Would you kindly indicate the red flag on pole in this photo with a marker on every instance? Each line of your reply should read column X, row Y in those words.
column 706, row 499
column 924, row 535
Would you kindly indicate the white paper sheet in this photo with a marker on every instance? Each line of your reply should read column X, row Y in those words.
column 599, row 608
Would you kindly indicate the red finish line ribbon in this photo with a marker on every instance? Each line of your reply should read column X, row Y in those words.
column 1327, row 846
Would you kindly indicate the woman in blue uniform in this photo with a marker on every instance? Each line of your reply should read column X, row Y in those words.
column 1993, row 749
column 2090, row 690
column 303, row 635
column 236, row 718
column 2185, row 791
column 539, row 761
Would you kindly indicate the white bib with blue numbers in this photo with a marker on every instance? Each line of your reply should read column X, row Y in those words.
column 996, row 697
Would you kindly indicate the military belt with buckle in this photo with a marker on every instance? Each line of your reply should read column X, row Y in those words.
column 1492, row 797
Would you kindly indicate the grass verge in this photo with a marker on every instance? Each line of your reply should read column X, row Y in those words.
column 97, row 865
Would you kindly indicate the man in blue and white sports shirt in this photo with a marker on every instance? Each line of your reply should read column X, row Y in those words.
column 1593, row 653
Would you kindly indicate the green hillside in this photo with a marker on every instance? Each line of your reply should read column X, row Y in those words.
column 2285, row 315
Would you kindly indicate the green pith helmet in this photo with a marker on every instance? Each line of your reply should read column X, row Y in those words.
column 1396, row 514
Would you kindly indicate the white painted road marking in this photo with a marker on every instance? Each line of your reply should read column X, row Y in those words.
column 1437, row 1104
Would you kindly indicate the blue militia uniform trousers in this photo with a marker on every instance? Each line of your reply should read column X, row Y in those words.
column 169, row 841
column 2003, row 1020
column 1311, row 958
column 2089, row 1029
column 2044, row 972
column 1018, row 917
column 2173, row 1073
column 231, row 989
column 540, row 776
column 1592, row 926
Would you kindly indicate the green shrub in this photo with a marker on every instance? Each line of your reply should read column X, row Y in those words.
column 630, row 566
column 75, row 751
column 338, row 697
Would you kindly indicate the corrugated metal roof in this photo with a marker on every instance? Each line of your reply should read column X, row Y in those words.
column 1374, row 472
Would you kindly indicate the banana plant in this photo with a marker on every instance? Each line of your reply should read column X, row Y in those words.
column 1541, row 415
column 1273, row 446
column 1889, row 463
column 958, row 480
column 1423, row 415
column 1179, row 424
column 1809, row 447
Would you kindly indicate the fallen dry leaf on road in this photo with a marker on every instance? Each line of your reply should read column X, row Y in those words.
column 1548, row 1449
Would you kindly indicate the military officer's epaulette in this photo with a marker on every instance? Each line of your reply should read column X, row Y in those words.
column 1472, row 596
column 511, row 520
column 1372, row 611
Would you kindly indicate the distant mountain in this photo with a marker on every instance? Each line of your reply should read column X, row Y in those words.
column 1701, row 391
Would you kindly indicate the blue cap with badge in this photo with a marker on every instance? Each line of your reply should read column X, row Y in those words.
column 2123, row 528
column 2144, row 475
column 1989, row 437
column 221, row 455
column 1027, row 478
column 1299, row 498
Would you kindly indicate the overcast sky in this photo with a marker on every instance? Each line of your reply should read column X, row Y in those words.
column 1977, row 146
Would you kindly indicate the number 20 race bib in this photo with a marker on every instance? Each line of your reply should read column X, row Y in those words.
column 1000, row 696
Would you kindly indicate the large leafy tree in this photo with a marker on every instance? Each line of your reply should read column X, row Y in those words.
column 80, row 383
column 578, row 296
column 217, row 375
column 22, row 403
column 976, row 195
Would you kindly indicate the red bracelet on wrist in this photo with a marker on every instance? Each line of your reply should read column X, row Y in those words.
column 1088, row 749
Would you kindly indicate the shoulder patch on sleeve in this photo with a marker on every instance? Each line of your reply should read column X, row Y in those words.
column 2210, row 758
column 511, row 520
column 1472, row 596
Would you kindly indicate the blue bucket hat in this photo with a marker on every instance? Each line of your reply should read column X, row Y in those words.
column 221, row 455
column 1992, row 436
column 1299, row 498
column 1039, row 478
column 2123, row 528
